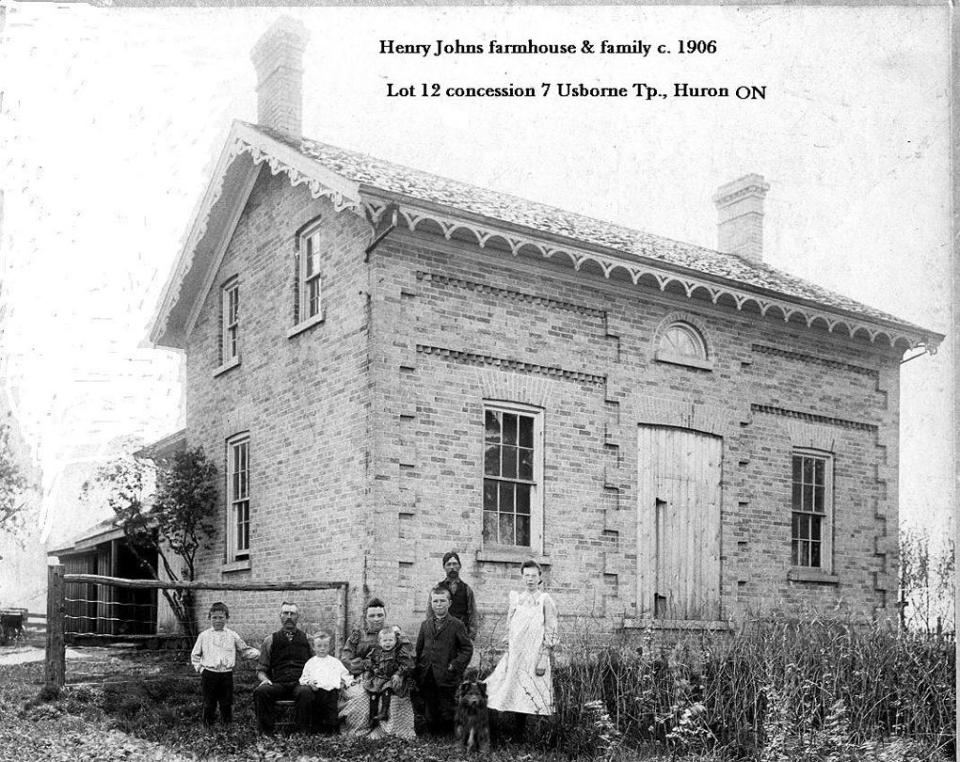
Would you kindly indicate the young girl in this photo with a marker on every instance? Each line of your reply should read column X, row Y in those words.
column 214, row 656
column 385, row 671
column 522, row 681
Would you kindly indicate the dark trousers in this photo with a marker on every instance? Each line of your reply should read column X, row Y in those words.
column 326, row 717
column 266, row 695
column 519, row 726
column 216, row 688
column 439, row 705
column 379, row 705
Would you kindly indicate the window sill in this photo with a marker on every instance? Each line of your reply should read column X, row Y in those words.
column 234, row 566
column 231, row 363
column 697, row 625
column 803, row 574
column 501, row 554
column 690, row 362
column 303, row 325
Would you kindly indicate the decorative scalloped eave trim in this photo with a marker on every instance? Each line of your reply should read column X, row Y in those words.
column 237, row 144
column 484, row 233
column 372, row 209
column 318, row 189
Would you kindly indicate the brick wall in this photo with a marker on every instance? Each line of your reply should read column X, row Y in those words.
column 367, row 430
column 458, row 325
column 300, row 398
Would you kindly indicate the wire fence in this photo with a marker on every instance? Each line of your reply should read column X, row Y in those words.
column 117, row 630
column 94, row 616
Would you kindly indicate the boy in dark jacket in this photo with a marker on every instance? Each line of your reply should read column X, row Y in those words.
column 442, row 654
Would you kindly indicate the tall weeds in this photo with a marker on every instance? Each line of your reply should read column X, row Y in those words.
column 775, row 690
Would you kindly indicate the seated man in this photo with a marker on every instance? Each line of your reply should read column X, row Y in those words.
column 282, row 658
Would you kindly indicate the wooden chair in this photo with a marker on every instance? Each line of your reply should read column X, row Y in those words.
column 284, row 718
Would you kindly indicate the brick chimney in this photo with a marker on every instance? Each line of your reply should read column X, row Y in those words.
column 278, row 58
column 740, row 216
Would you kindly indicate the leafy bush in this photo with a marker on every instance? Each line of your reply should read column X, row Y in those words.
column 776, row 690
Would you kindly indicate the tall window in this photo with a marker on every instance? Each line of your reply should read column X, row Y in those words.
column 812, row 506
column 512, row 477
column 230, row 311
column 238, row 498
column 309, row 282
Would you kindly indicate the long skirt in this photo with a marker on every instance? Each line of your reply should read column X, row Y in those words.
column 514, row 685
column 355, row 715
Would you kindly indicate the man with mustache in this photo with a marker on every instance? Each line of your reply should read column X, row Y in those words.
column 282, row 657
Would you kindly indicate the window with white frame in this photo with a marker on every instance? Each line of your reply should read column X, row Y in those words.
column 230, row 317
column 812, row 510
column 309, row 281
column 238, row 497
column 513, row 476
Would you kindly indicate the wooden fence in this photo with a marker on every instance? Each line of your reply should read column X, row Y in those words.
column 57, row 579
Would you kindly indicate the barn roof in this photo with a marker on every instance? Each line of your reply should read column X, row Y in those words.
column 87, row 540
column 356, row 180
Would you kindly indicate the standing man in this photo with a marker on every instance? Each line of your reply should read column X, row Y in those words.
column 282, row 657
column 443, row 652
column 463, row 605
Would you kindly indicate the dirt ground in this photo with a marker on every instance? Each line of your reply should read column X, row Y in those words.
column 140, row 707
column 29, row 654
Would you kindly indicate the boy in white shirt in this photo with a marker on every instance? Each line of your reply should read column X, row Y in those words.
column 326, row 675
column 214, row 656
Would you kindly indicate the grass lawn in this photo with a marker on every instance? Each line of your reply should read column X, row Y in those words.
column 158, row 718
column 135, row 705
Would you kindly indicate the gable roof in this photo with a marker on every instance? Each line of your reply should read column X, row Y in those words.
column 367, row 185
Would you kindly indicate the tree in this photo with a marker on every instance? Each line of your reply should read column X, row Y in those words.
column 174, row 525
column 926, row 581
column 12, row 486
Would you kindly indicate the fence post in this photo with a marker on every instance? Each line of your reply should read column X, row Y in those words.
column 56, row 666
column 342, row 615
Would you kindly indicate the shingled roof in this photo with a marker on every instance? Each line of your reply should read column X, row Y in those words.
column 360, row 181
column 423, row 186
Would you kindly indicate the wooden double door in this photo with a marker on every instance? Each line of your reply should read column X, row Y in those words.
column 678, row 515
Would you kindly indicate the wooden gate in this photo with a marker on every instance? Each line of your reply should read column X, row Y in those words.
column 678, row 494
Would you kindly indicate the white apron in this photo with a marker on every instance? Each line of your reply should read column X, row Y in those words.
column 514, row 685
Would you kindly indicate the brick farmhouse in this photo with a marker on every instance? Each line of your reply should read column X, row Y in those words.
column 389, row 364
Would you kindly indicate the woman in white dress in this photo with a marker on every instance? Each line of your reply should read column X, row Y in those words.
column 522, row 682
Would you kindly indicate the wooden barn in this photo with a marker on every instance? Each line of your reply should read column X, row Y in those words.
column 103, row 609
column 103, row 549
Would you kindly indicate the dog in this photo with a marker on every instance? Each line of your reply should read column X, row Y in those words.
column 473, row 717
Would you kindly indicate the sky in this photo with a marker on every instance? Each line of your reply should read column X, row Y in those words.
column 111, row 121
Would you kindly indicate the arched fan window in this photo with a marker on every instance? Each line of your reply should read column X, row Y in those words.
column 683, row 344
